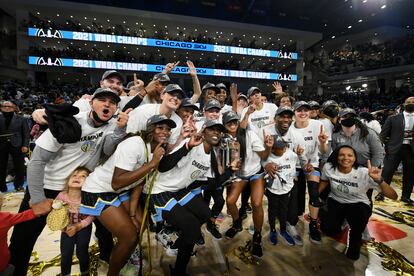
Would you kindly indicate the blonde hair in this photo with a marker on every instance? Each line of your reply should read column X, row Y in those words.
column 78, row 169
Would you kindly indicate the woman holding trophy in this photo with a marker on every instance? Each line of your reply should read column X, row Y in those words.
column 251, row 151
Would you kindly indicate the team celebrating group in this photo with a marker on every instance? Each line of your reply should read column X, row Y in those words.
column 128, row 146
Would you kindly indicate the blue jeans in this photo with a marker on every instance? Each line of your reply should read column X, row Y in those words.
column 67, row 245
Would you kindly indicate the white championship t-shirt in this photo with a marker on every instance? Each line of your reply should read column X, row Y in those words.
column 351, row 187
column 262, row 119
column 286, row 171
column 139, row 116
column 191, row 167
column 311, row 136
column 251, row 164
column 129, row 155
column 85, row 152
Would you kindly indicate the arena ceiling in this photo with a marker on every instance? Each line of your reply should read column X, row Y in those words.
column 333, row 18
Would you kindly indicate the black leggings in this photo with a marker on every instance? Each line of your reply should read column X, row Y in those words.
column 217, row 195
column 357, row 215
column 277, row 207
column 67, row 245
column 188, row 219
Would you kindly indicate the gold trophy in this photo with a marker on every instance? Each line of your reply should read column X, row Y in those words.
column 230, row 154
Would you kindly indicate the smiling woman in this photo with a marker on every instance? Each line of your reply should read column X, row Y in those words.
column 347, row 199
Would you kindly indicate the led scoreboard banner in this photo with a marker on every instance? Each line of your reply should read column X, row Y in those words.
column 151, row 42
column 99, row 64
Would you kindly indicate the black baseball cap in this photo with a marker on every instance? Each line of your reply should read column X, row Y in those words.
column 161, row 77
column 128, row 87
column 329, row 103
column 174, row 87
column 210, row 85
column 347, row 111
column 314, row 104
column 284, row 109
column 113, row 73
column 299, row 104
column 279, row 143
column 106, row 92
column 252, row 91
column 221, row 86
column 211, row 123
column 212, row 104
column 157, row 119
column 188, row 103
column 230, row 116
column 241, row 95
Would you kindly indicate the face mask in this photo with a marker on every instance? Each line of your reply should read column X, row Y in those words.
column 331, row 111
column 349, row 122
column 96, row 118
column 409, row 108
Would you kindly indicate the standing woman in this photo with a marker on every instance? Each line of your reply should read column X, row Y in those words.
column 315, row 142
column 349, row 182
column 350, row 131
column 110, row 184
column 252, row 152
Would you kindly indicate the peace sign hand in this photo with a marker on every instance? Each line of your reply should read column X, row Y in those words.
column 323, row 137
column 374, row 172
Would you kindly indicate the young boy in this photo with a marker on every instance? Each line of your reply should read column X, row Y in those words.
column 281, row 169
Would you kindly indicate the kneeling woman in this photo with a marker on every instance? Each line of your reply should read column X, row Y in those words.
column 347, row 199
column 171, row 197
column 110, row 185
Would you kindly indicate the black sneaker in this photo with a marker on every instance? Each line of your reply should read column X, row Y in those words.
column 201, row 242
column 314, row 234
column 353, row 252
column 379, row 197
column 213, row 229
column 242, row 214
column 233, row 231
column 248, row 208
column 257, row 249
column 407, row 200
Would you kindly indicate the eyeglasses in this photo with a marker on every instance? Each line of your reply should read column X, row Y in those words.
column 7, row 106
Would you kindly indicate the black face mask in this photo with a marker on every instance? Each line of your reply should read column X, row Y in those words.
column 97, row 119
column 409, row 108
column 331, row 111
column 8, row 115
column 349, row 122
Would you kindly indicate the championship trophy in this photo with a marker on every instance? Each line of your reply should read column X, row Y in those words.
column 230, row 153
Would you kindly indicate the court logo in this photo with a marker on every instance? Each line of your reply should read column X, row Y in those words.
column 49, row 33
column 49, row 61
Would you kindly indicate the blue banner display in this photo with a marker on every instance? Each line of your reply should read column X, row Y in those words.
column 150, row 42
column 99, row 64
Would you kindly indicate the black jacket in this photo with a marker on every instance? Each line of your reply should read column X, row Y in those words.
column 392, row 134
column 18, row 128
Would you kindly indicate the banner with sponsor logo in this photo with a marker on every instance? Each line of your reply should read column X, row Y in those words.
column 128, row 66
column 150, row 42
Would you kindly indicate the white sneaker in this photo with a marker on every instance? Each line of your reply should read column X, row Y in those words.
column 171, row 250
column 294, row 234
column 9, row 178
column 163, row 239
column 365, row 235
column 251, row 229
